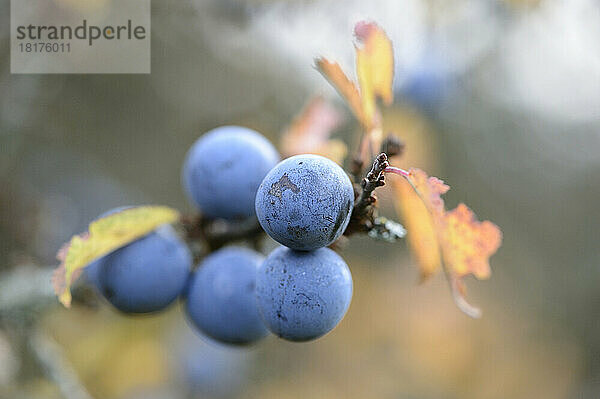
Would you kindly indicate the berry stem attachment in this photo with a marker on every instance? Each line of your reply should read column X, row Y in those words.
column 216, row 233
column 364, row 214
column 374, row 178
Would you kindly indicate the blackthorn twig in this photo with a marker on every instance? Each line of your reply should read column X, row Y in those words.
column 364, row 213
column 216, row 233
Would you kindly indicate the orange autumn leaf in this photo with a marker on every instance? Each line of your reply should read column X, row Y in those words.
column 455, row 239
column 375, row 71
column 309, row 132
column 344, row 85
column 374, row 68
column 465, row 243
column 424, row 207
column 418, row 139
column 468, row 243
column 419, row 224
column 430, row 189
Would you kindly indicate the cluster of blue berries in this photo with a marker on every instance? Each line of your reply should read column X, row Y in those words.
column 299, row 292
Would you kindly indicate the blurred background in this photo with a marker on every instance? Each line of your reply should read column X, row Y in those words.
column 500, row 98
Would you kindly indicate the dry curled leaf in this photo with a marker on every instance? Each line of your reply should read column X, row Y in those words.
column 469, row 243
column 455, row 239
column 310, row 132
column 430, row 189
column 333, row 72
column 419, row 225
column 374, row 68
column 465, row 243
column 375, row 71
column 104, row 235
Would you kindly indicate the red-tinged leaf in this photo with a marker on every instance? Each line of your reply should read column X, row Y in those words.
column 375, row 71
column 465, row 243
column 374, row 68
column 430, row 189
column 421, row 234
column 469, row 243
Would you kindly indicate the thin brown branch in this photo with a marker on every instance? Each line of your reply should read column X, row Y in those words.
column 375, row 178
column 364, row 212
column 216, row 233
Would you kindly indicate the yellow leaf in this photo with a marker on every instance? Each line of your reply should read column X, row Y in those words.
column 374, row 68
column 419, row 225
column 420, row 147
column 468, row 243
column 422, row 208
column 465, row 243
column 309, row 132
column 344, row 85
column 430, row 189
column 105, row 235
